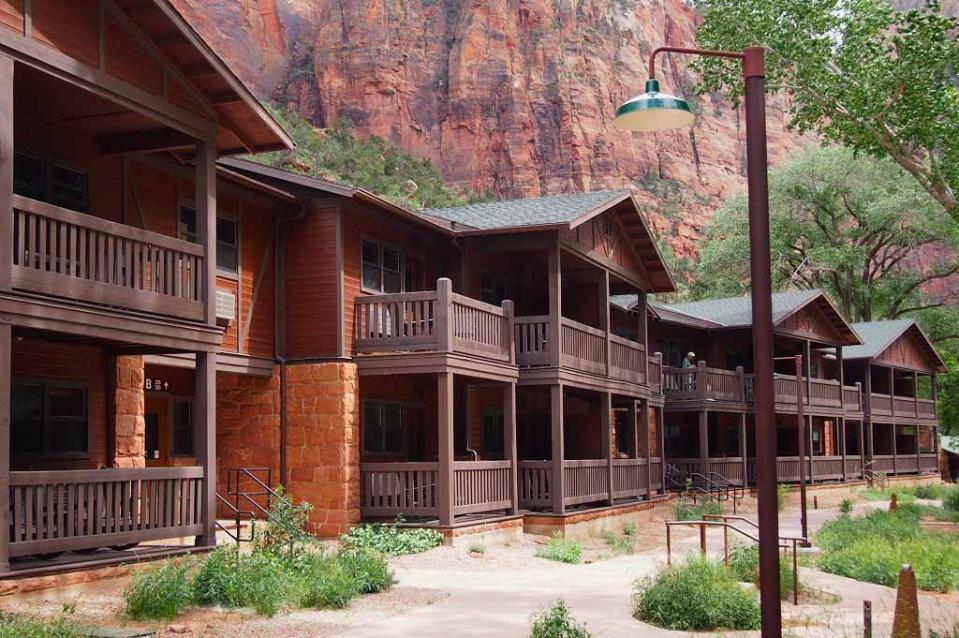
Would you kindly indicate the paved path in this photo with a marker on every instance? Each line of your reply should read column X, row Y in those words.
column 500, row 603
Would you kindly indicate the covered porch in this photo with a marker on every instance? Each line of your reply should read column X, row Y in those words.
column 900, row 449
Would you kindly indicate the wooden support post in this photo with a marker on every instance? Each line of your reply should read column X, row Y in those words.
column 604, row 312
column 6, row 353
column 918, row 457
column 895, row 468
column 6, row 172
column 892, row 391
column 509, row 425
column 206, row 222
column 204, row 433
column 509, row 320
column 915, row 394
column 605, row 421
column 642, row 334
column 812, row 452
column 703, row 441
column 642, row 420
column 743, row 447
column 557, row 489
column 555, row 306
column 871, row 439
column 442, row 312
column 444, row 480
column 862, row 447
column 808, row 364
column 661, row 430
column 841, row 425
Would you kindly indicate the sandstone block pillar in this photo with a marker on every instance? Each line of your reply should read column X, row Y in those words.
column 128, row 405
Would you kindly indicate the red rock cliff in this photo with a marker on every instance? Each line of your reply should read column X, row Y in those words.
column 516, row 96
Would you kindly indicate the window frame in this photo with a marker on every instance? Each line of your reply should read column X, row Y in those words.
column 174, row 400
column 229, row 217
column 381, row 406
column 48, row 164
column 46, row 420
column 495, row 414
column 404, row 258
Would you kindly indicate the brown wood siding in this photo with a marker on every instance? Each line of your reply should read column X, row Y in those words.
column 39, row 360
column 129, row 61
column 411, row 391
column 256, row 256
column 311, row 275
column 483, row 398
column 11, row 14
column 811, row 322
column 616, row 249
column 70, row 26
column 905, row 352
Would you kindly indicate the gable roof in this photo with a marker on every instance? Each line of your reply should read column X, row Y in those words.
column 877, row 336
column 561, row 212
column 736, row 312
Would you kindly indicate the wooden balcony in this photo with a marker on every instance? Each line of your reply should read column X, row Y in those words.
column 588, row 481
column 70, row 255
column 896, row 464
column 701, row 383
column 901, row 407
column 412, row 489
column 583, row 349
column 57, row 511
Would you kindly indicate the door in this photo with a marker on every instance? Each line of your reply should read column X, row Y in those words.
column 157, row 433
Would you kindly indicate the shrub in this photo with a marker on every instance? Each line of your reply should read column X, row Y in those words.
column 392, row 540
column 950, row 499
column 699, row 595
column 629, row 528
column 368, row 569
column 285, row 531
column 689, row 511
column 477, row 548
column 158, row 593
column 845, row 506
column 18, row 627
column 619, row 544
column 556, row 622
column 326, row 583
column 928, row 491
column 231, row 579
column 744, row 565
column 561, row 550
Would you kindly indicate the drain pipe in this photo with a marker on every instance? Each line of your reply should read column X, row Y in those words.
column 279, row 324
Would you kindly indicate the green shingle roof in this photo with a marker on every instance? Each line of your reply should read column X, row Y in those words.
column 536, row 211
column 733, row 312
column 876, row 337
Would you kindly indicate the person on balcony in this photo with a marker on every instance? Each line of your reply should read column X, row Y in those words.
column 689, row 373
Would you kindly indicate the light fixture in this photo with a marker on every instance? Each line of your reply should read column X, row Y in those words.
column 654, row 111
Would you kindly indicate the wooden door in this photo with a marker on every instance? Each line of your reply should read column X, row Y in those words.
column 157, row 434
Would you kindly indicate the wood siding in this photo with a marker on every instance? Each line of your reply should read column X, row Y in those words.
column 811, row 322
column 905, row 352
column 613, row 249
column 311, row 284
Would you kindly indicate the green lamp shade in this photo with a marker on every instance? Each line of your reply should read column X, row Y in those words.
column 654, row 111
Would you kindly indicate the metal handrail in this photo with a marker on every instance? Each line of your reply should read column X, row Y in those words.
column 237, row 513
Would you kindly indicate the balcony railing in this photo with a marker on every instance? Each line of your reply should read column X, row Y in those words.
column 57, row 511
column 583, row 349
column 72, row 255
column 886, row 405
column 588, row 480
column 433, row 321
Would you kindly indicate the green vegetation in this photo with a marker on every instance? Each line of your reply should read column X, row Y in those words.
column 624, row 544
column 629, row 528
column 872, row 548
column 699, row 595
column 556, row 622
column 160, row 592
column 865, row 74
column 372, row 163
column 687, row 510
column 20, row 627
column 392, row 539
column 477, row 548
column 744, row 564
column 950, row 500
column 781, row 491
column 560, row 550
column 230, row 579
column 845, row 506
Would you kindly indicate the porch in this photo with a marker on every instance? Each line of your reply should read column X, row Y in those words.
column 897, row 449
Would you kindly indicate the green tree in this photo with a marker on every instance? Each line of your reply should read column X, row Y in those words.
column 372, row 164
column 846, row 223
column 857, row 72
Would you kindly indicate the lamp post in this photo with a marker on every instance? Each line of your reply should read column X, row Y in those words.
column 656, row 111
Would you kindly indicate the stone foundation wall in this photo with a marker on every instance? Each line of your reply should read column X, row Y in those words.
column 128, row 407
column 323, row 443
column 646, row 515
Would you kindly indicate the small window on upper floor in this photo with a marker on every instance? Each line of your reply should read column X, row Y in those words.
column 227, row 238
column 494, row 290
column 607, row 226
column 382, row 268
column 47, row 181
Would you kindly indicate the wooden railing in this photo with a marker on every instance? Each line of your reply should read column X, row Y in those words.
column 656, row 473
column 853, row 467
column 852, row 398
column 687, row 466
column 56, row 511
column 883, row 463
column 439, row 320
column 730, row 468
column 72, row 255
column 481, row 486
column 585, row 481
column 825, row 393
column 388, row 489
column 928, row 462
column 700, row 383
column 535, row 482
column 886, row 405
column 532, row 345
column 907, row 464
column 630, row 478
column 584, row 347
column 827, row 468
column 655, row 370
column 627, row 359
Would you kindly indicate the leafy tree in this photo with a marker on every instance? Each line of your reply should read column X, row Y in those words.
column 846, row 223
column 858, row 72
column 372, row 164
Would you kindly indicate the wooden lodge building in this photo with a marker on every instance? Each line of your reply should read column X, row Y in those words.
column 174, row 321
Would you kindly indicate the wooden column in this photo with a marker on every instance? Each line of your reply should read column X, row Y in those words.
column 915, row 394
column 867, row 389
column 642, row 335
column 206, row 222
column 6, row 351
column 442, row 312
column 703, row 441
column 871, row 439
column 604, row 311
column 557, row 489
column 918, row 456
column 807, row 355
column 642, row 421
column 555, row 305
column 204, row 437
column 812, row 452
column 661, row 432
column 892, row 391
column 842, row 443
column 743, row 447
column 6, row 175
column 509, row 425
column 895, row 470
column 862, row 447
column 444, row 476
column 606, row 428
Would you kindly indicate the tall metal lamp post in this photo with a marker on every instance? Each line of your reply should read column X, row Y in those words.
column 656, row 111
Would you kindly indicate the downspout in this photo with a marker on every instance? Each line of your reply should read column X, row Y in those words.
column 279, row 324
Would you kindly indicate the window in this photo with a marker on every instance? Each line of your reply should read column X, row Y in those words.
column 382, row 427
column 672, row 354
column 227, row 238
column 493, row 432
column 493, row 289
column 382, row 268
column 48, row 419
column 38, row 178
column 182, row 427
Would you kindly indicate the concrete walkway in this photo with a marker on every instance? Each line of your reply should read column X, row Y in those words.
column 500, row 603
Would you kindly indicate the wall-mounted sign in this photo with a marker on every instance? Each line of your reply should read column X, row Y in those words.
column 156, row 384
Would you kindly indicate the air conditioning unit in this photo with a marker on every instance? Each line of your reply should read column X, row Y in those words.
column 225, row 307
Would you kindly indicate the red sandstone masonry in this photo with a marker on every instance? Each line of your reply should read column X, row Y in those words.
column 129, row 419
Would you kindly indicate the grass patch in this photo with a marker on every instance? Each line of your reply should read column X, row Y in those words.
column 624, row 544
column 561, row 550
column 556, row 622
column 699, row 595
column 872, row 549
column 950, row 500
column 20, row 627
column 629, row 528
column 845, row 506
column 686, row 510
column 160, row 592
column 744, row 565
column 477, row 548
column 391, row 539
column 781, row 491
